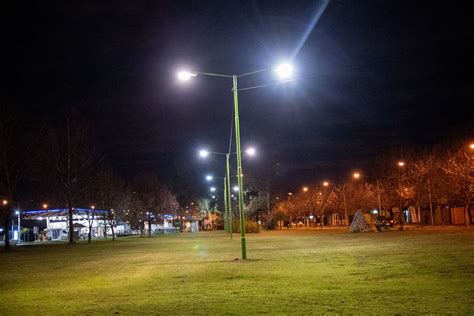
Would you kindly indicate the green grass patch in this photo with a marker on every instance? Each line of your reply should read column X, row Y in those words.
column 288, row 272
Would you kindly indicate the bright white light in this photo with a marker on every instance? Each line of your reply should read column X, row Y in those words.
column 203, row 153
column 284, row 71
column 236, row 189
column 213, row 189
column 250, row 151
column 209, row 178
column 17, row 212
column 185, row 75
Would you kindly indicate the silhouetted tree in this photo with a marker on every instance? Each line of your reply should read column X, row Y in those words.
column 73, row 160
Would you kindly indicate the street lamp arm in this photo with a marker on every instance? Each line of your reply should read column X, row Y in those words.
column 265, row 85
column 254, row 72
column 213, row 74
column 217, row 153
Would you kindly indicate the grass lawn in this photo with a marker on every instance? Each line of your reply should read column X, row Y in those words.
column 289, row 272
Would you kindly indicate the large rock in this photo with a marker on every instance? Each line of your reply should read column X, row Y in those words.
column 359, row 224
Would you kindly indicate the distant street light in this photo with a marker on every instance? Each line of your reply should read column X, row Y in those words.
column 228, row 216
column 325, row 183
column 305, row 189
column 93, row 207
column 356, row 175
column 235, row 188
column 471, row 146
column 213, row 189
column 19, row 225
column 45, row 206
column 400, row 164
column 5, row 202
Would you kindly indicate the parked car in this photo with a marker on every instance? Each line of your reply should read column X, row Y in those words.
column 297, row 224
column 383, row 223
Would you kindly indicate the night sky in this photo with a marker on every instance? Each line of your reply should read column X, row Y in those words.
column 369, row 76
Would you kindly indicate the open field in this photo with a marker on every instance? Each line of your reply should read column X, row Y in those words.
column 289, row 272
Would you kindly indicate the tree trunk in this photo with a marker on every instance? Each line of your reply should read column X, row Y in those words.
column 467, row 219
column 89, row 235
column 71, row 224
column 149, row 227
column 7, row 228
column 431, row 203
column 113, row 231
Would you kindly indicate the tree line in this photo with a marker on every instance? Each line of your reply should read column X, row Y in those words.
column 55, row 161
column 428, row 180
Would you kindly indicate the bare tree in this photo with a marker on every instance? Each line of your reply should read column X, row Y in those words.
column 151, row 197
column 73, row 160
column 15, row 144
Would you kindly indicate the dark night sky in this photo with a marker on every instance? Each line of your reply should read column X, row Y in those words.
column 371, row 75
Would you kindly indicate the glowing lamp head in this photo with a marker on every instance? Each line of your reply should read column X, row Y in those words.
column 250, row 151
column 305, row 189
column 213, row 189
column 209, row 178
column 235, row 188
column 284, row 71
column 401, row 163
column 325, row 183
column 203, row 153
column 93, row 207
column 471, row 146
column 4, row 202
column 356, row 175
column 185, row 75
column 45, row 206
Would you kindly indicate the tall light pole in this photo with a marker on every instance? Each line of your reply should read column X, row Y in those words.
column 469, row 187
column 400, row 165
column 19, row 225
column 226, row 200
column 285, row 72
column 230, row 215
column 251, row 151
